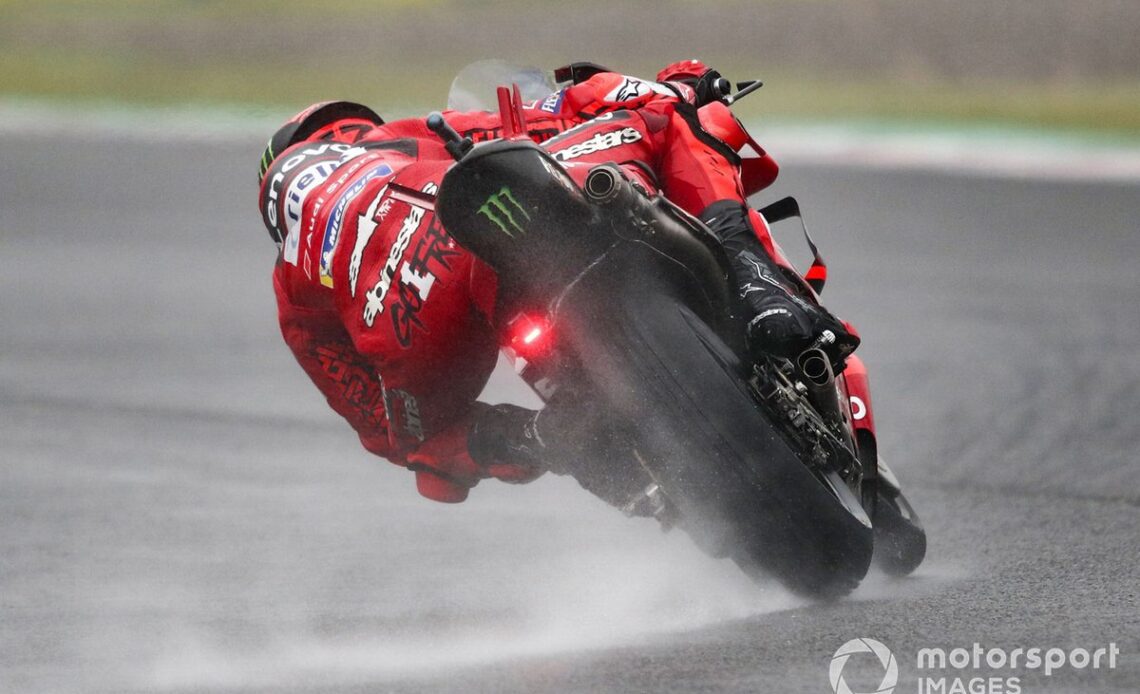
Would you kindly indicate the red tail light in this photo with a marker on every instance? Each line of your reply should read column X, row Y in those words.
column 529, row 336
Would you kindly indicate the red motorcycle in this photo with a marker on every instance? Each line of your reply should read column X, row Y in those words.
column 633, row 340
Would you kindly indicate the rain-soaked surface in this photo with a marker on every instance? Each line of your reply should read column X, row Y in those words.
column 180, row 512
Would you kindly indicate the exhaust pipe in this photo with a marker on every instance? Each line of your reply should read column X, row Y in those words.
column 815, row 368
column 603, row 183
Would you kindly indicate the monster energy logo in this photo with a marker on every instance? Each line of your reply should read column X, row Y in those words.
column 500, row 208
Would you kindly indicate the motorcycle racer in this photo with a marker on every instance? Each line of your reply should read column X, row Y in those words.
column 391, row 319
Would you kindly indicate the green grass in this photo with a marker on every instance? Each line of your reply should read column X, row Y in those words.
column 110, row 76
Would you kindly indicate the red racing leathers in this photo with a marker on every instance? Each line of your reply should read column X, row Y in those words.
column 388, row 316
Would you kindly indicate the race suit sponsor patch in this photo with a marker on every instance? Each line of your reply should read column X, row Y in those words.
column 304, row 182
column 411, row 411
column 632, row 88
column 433, row 253
column 598, row 143
column 336, row 219
column 403, row 413
column 553, row 103
column 505, row 212
column 374, row 297
column 357, row 384
column 290, row 163
column 552, row 143
column 366, row 226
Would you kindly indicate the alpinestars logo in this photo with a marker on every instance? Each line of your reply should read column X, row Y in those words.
column 374, row 297
column 864, row 645
column 501, row 208
column 599, row 143
column 631, row 89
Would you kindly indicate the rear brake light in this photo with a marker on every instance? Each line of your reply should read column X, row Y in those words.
column 533, row 335
column 529, row 336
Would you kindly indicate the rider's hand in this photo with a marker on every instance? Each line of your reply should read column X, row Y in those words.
column 707, row 84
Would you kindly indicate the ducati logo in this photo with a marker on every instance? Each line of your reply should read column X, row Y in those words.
column 505, row 212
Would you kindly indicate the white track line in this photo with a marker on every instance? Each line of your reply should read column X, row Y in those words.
column 981, row 152
column 973, row 152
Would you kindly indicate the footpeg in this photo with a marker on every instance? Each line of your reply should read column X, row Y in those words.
column 651, row 502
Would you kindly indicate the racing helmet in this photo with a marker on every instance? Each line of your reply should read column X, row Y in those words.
column 332, row 121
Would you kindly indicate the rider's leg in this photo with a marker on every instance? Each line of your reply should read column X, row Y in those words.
column 700, row 173
column 664, row 146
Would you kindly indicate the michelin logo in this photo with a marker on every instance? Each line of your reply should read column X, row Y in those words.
column 336, row 220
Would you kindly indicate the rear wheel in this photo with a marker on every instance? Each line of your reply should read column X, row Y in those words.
column 900, row 539
column 738, row 487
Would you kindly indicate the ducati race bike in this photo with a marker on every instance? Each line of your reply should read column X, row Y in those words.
column 617, row 309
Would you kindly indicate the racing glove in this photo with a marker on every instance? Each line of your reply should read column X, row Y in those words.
column 707, row 84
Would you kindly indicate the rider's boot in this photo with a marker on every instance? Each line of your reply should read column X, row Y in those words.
column 784, row 318
column 559, row 439
column 506, row 436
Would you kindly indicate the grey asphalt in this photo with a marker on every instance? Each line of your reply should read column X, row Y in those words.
column 179, row 511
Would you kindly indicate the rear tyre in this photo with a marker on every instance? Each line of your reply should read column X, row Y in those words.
column 739, row 488
column 900, row 540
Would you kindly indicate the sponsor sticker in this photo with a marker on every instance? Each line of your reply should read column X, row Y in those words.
column 433, row 253
column 366, row 226
column 553, row 103
column 336, row 220
column 374, row 297
column 632, row 88
column 505, row 212
column 412, row 422
column 356, row 381
column 302, row 184
column 599, row 143
column 294, row 160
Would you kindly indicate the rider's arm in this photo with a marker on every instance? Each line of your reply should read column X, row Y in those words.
column 610, row 91
column 348, row 381
column 561, row 110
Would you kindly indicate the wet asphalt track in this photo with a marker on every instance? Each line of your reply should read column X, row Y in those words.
column 180, row 513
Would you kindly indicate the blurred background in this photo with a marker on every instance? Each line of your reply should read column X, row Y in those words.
column 1033, row 62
